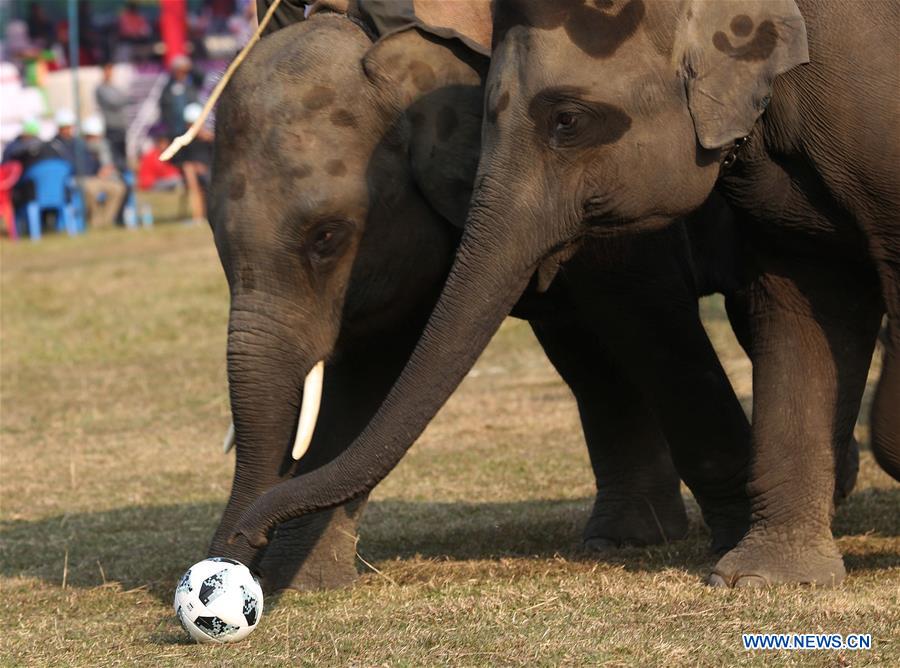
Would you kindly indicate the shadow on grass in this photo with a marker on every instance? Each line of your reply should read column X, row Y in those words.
column 149, row 547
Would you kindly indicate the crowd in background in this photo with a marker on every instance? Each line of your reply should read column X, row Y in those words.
column 109, row 150
column 119, row 30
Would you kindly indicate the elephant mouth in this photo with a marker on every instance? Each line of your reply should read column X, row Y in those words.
column 599, row 219
column 612, row 225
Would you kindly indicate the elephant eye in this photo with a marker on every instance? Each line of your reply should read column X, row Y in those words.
column 566, row 127
column 565, row 120
column 323, row 238
column 327, row 240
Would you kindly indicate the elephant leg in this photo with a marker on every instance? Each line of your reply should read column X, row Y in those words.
column 314, row 552
column 649, row 317
column 846, row 455
column 638, row 490
column 886, row 407
column 813, row 332
column 317, row 551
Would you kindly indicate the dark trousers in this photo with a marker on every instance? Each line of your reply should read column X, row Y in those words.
column 288, row 12
column 116, row 139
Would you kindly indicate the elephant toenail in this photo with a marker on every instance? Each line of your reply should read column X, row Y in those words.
column 600, row 544
column 716, row 580
column 751, row 581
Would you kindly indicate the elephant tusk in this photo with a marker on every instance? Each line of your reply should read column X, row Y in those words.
column 309, row 409
column 228, row 442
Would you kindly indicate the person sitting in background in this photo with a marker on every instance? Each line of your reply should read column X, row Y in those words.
column 63, row 144
column 104, row 192
column 26, row 148
column 153, row 174
column 179, row 92
column 112, row 102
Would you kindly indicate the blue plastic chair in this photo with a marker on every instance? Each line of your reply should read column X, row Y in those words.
column 54, row 190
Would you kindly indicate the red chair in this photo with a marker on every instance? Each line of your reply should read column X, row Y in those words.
column 10, row 172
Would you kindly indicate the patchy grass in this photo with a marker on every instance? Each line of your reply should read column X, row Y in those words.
column 113, row 408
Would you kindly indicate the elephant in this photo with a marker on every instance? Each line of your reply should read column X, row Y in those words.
column 336, row 203
column 612, row 119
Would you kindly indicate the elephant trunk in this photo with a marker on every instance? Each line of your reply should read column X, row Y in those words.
column 268, row 363
column 487, row 277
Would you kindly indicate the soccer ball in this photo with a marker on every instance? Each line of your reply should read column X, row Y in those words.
column 218, row 600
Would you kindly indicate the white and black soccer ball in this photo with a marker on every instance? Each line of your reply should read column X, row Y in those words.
column 218, row 600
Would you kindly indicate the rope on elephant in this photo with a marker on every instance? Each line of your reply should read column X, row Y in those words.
column 180, row 142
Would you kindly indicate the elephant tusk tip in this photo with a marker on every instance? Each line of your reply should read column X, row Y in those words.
column 309, row 409
column 228, row 441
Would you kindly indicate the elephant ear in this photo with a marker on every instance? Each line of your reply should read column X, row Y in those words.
column 731, row 53
column 437, row 85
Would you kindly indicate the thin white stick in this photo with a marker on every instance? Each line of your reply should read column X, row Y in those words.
column 180, row 142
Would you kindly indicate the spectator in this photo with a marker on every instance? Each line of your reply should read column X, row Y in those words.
column 27, row 147
column 219, row 13
column 40, row 26
column 112, row 102
column 88, row 36
column 196, row 162
column 135, row 34
column 15, row 44
column 179, row 92
column 104, row 192
column 133, row 26
column 243, row 24
column 63, row 144
column 153, row 174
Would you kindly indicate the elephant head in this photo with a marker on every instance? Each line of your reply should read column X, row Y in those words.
column 341, row 176
column 599, row 117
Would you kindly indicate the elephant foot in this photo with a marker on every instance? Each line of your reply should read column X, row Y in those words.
column 319, row 572
column 635, row 520
column 846, row 469
column 728, row 522
column 313, row 552
column 768, row 557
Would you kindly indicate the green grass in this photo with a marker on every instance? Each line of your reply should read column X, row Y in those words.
column 112, row 480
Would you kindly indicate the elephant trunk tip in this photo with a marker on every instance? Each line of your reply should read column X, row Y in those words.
column 256, row 539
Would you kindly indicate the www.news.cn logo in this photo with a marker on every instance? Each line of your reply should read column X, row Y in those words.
column 793, row 641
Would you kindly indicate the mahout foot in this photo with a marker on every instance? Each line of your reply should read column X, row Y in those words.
column 772, row 556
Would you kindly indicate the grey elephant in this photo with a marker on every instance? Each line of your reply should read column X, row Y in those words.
column 343, row 170
column 622, row 116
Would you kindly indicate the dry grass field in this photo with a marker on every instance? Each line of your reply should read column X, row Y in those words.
column 113, row 408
